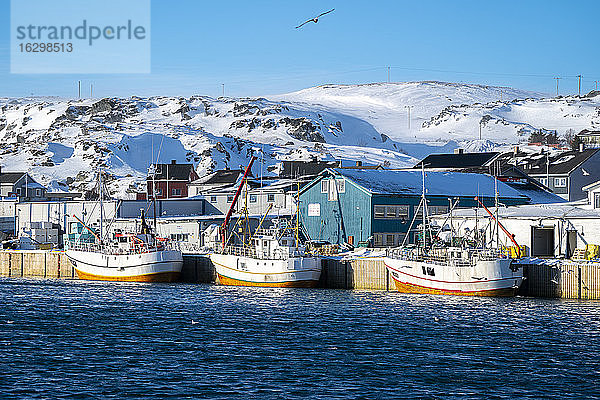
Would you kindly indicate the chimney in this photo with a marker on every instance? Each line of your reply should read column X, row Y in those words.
column 359, row 163
column 173, row 162
column 516, row 150
column 581, row 147
column 458, row 151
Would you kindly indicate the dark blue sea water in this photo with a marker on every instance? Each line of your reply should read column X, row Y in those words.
column 76, row 340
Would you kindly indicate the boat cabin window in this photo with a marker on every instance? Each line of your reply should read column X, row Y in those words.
column 122, row 239
column 265, row 243
column 284, row 242
column 270, row 198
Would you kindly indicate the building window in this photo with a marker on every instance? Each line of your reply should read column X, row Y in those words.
column 38, row 192
column 544, row 181
column 392, row 212
column 18, row 191
column 378, row 239
column 270, row 198
column 324, row 186
column 341, row 185
column 560, row 182
column 252, row 198
column 435, row 210
column 175, row 192
column 213, row 199
column 389, row 239
column 229, row 198
column 596, row 200
column 418, row 211
column 180, row 237
column 158, row 192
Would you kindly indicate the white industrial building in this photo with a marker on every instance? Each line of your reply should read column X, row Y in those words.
column 547, row 230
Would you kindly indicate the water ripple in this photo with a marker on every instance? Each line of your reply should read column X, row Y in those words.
column 76, row 340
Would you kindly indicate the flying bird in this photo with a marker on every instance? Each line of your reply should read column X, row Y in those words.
column 315, row 19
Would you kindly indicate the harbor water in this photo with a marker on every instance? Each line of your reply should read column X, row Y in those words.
column 78, row 339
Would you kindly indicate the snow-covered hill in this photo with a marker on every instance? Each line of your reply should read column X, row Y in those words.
column 62, row 141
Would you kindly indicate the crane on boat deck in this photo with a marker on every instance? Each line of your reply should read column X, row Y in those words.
column 506, row 232
column 223, row 228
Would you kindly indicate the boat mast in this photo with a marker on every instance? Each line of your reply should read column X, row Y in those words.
column 451, row 223
column 497, row 221
column 298, row 212
column 101, row 204
column 424, row 205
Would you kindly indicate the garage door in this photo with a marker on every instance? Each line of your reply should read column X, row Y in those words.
column 542, row 242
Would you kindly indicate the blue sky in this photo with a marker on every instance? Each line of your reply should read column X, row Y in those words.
column 253, row 48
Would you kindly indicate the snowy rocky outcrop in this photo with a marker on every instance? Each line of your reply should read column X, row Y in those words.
column 62, row 142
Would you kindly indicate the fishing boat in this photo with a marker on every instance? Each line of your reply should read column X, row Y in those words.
column 272, row 257
column 437, row 265
column 134, row 257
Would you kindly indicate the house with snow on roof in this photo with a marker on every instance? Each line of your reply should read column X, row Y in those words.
column 377, row 206
column 21, row 185
column 565, row 173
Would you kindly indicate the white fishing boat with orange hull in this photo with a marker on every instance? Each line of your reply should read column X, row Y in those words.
column 132, row 258
column 438, row 266
column 453, row 271
column 270, row 261
column 271, row 257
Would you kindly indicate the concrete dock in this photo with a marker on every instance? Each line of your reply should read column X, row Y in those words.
column 36, row 264
column 564, row 279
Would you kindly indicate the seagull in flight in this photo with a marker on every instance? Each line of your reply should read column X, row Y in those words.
column 315, row 19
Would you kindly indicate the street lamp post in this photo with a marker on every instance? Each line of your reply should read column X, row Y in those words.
column 408, row 109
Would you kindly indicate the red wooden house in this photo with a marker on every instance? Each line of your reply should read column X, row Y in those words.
column 170, row 180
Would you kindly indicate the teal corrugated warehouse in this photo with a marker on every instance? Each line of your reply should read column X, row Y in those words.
column 377, row 206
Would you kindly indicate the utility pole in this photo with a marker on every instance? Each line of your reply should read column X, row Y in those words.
column 223, row 89
column 408, row 109
column 596, row 82
column 579, row 85
column 388, row 74
column 479, row 130
column 79, row 89
column 557, row 78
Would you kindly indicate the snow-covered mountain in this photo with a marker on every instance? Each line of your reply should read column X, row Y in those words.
column 63, row 141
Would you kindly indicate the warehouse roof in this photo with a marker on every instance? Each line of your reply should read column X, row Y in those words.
column 440, row 183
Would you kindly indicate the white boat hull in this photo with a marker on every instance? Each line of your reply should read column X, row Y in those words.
column 246, row 271
column 156, row 266
column 485, row 278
